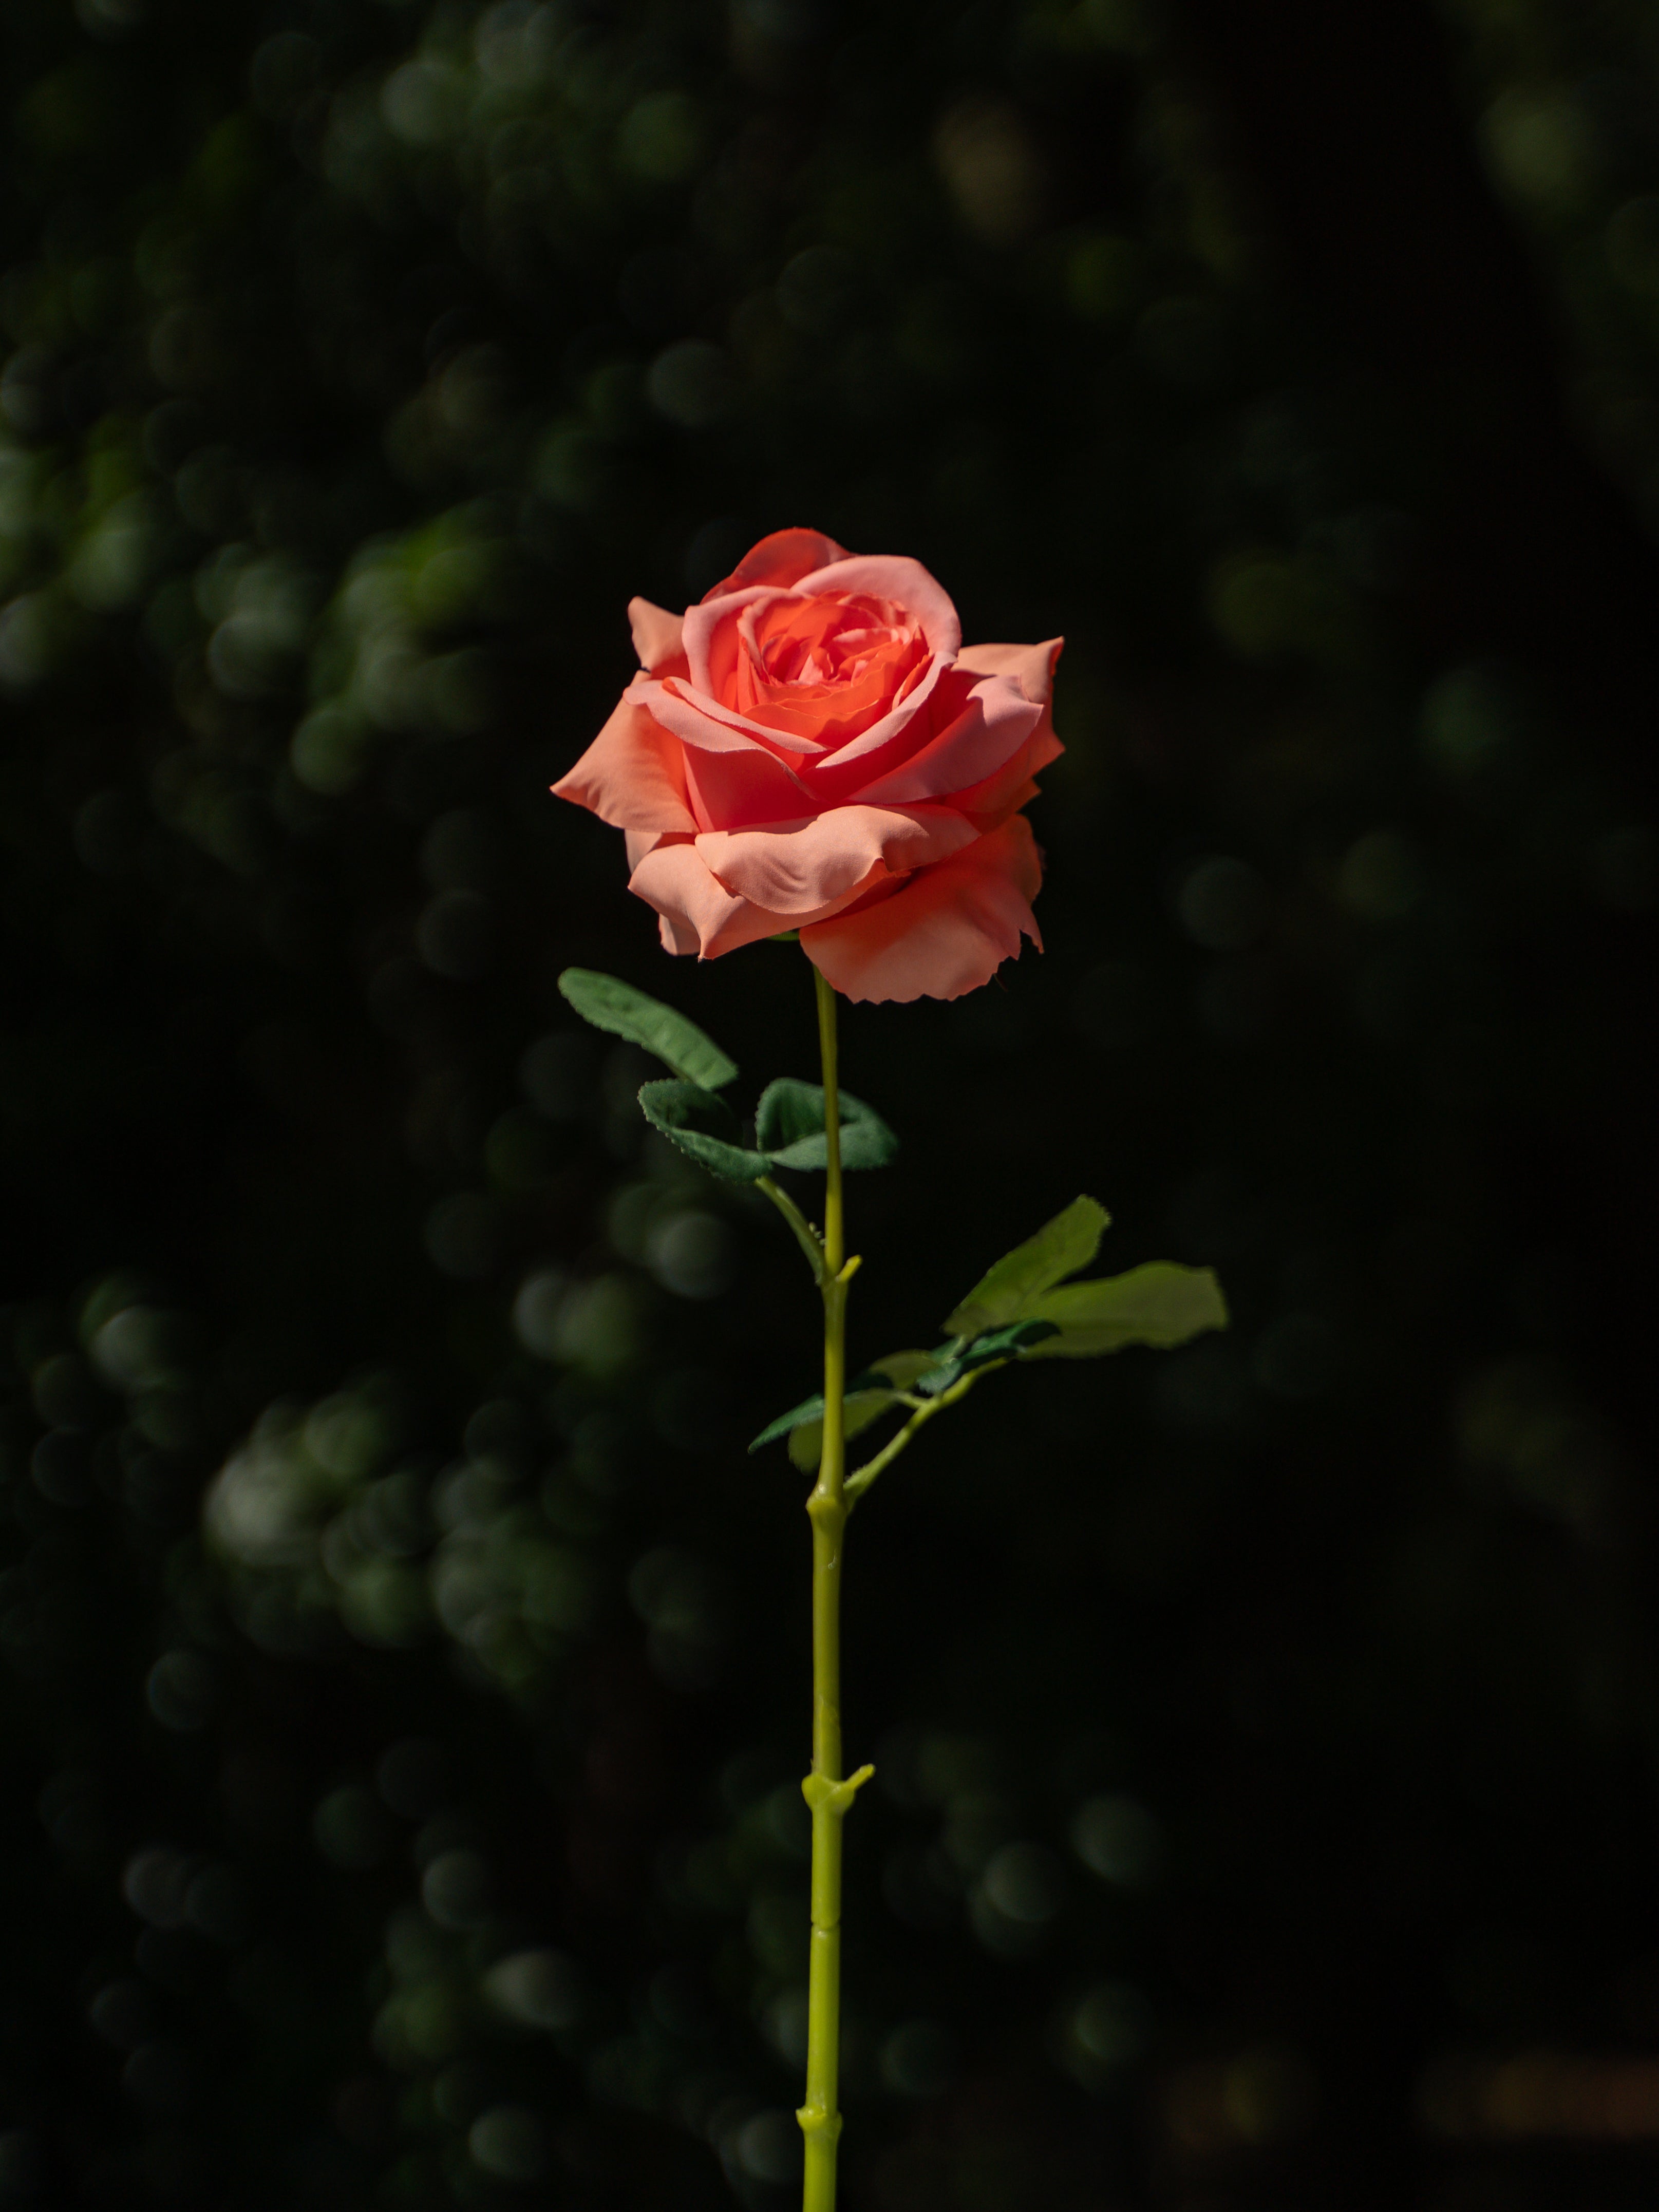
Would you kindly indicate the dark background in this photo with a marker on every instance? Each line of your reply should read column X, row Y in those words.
column 407, row 1815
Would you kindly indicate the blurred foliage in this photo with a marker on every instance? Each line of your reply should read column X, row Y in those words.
column 405, row 1665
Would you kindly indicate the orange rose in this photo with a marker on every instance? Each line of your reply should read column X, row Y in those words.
column 812, row 748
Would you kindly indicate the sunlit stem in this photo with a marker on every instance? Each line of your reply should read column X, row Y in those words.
column 828, row 1795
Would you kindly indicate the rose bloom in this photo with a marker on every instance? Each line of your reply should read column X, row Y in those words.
column 812, row 747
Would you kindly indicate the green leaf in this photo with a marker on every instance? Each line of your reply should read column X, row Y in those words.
column 616, row 1007
column 1063, row 1245
column 789, row 1125
column 861, row 1407
column 900, row 1368
column 809, row 1409
column 868, row 1395
column 1161, row 1303
column 956, row 1359
column 704, row 1127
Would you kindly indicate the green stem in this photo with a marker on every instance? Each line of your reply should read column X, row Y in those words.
column 828, row 1796
column 805, row 1236
column 856, row 1484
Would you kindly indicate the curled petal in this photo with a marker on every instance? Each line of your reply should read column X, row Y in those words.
column 782, row 558
column 1033, row 666
column 991, row 722
column 944, row 931
column 807, row 866
column 698, row 912
column 906, row 583
column 1009, row 787
column 696, row 719
column 657, row 638
column 703, row 624
column 633, row 775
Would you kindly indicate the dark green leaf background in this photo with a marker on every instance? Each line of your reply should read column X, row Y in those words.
column 403, row 1664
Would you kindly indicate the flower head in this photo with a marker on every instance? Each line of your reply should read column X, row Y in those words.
column 812, row 747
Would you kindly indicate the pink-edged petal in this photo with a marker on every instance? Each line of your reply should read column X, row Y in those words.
column 732, row 791
column 782, row 558
column 944, row 931
column 906, row 725
column 991, row 722
column 992, row 801
column 703, row 621
column 803, row 867
column 633, row 775
column 1032, row 665
column 696, row 719
column 891, row 576
column 699, row 913
column 657, row 638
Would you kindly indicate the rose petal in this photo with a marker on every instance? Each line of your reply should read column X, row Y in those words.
column 657, row 638
column 699, row 913
column 782, row 558
column 633, row 775
column 720, row 742
column 731, row 791
column 891, row 576
column 1033, row 665
column 990, row 725
column 702, row 915
column 696, row 718
column 1009, row 787
column 702, row 626
column 805, row 867
column 945, row 932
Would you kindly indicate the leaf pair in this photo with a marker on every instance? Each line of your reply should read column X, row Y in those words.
column 1161, row 1303
column 789, row 1131
column 789, row 1122
column 868, row 1396
column 1024, row 1309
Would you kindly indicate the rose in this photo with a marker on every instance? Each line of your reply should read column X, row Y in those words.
column 812, row 748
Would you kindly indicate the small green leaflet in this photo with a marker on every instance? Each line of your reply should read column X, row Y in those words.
column 704, row 1127
column 789, row 1125
column 1023, row 1309
column 868, row 1396
column 954, row 1361
column 609, row 1004
column 1063, row 1245
column 1161, row 1304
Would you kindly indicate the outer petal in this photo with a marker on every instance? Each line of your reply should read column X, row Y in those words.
column 807, row 866
column 1033, row 664
column 992, row 801
column 657, row 638
column 699, row 913
column 946, row 933
column 891, row 576
column 782, row 558
column 633, row 775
